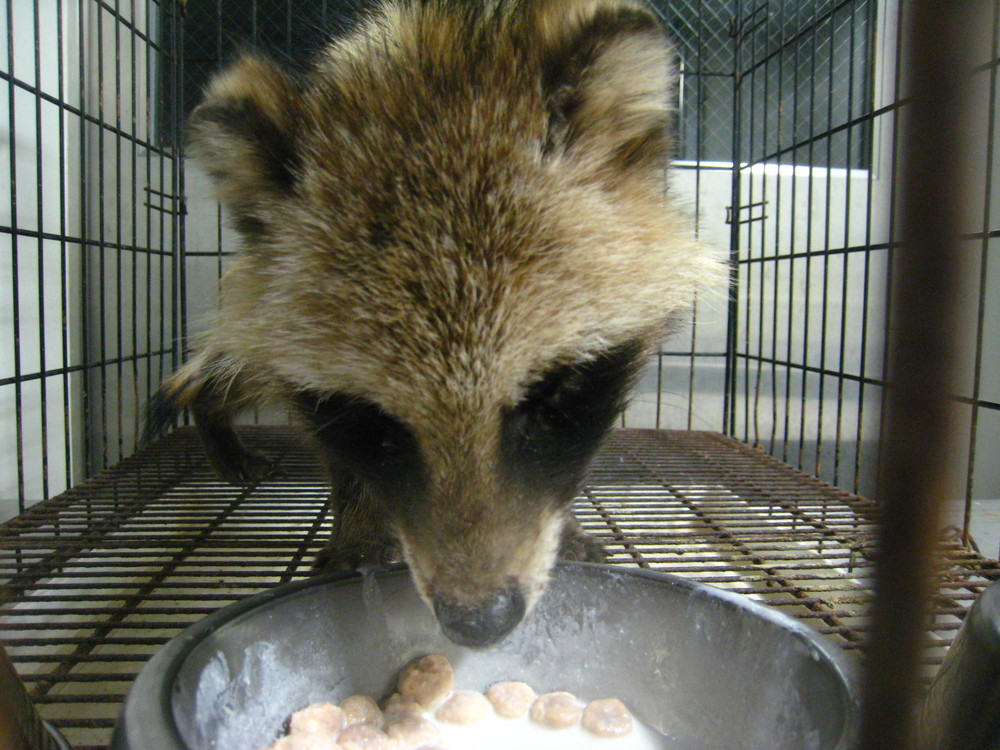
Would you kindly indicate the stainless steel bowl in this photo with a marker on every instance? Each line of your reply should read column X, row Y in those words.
column 708, row 668
column 55, row 737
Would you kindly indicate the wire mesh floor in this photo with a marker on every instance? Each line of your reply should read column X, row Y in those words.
column 96, row 579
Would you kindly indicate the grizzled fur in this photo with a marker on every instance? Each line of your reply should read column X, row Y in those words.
column 457, row 251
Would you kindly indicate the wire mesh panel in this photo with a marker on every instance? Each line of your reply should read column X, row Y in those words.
column 89, row 227
column 112, row 247
column 808, row 316
column 819, row 101
column 683, row 388
column 95, row 580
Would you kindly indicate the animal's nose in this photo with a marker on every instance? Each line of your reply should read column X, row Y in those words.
column 483, row 625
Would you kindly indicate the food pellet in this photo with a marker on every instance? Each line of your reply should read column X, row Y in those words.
column 365, row 737
column 464, row 707
column 319, row 718
column 423, row 715
column 396, row 706
column 413, row 731
column 607, row 717
column 427, row 680
column 306, row 741
column 511, row 700
column 360, row 709
column 557, row 710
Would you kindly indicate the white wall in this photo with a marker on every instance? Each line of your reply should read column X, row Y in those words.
column 39, row 150
column 79, row 212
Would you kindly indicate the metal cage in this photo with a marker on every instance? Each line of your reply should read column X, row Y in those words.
column 750, row 457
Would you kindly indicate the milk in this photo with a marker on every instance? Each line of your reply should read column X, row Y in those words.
column 497, row 733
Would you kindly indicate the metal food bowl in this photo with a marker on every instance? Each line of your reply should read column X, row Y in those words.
column 710, row 669
column 55, row 737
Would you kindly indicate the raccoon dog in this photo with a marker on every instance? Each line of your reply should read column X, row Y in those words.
column 457, row 251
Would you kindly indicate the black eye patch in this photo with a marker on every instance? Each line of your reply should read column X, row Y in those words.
column 548, row 438
column 364, row 440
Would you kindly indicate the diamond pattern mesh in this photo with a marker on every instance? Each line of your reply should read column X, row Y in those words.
column 805, row 81
column 288, row 30
column 802, row 64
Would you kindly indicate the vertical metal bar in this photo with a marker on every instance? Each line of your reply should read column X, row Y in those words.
column 256, row 32
column 659, row 387
column 178, row 211
column 40, row 254
column 138, row 199
column 84, row 288
column 732, row 317
column 63, row 250
column 15, row 277
column 807, row 295
column 219, row 221
column 760, row 266
column 844, row 287
column 699, row 136
column 827, row 232
column 873, row 14
column 772, row 441
column 165, row 63
column 150, row 55
column 119, row 252
column 933, row 167
column 970, row 468
column 102, row 323
column 894, row 183
column 748, row 144
column 793, row 200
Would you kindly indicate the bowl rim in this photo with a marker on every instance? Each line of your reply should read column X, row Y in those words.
column 150, row 725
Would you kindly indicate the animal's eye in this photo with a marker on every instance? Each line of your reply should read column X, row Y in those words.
column 357, row 432
column 563, row 415
column 559, row 402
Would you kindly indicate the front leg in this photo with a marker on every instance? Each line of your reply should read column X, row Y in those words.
column 360, row 535
column 215, row 393
column 227, row 454
column 579, row 546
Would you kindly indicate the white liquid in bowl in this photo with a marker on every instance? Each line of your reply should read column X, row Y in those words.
column 497, row 733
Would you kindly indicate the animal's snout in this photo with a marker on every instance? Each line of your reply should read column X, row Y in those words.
column 485, row 624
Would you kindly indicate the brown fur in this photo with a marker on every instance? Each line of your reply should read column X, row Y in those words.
column 455, row 200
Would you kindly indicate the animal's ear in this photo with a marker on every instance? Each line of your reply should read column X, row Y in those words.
column 243, row 133
column 608, row 78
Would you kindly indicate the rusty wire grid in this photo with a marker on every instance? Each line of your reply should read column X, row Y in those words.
column 96, row 579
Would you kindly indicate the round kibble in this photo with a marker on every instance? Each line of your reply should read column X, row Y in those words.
column 306, row 741
column 607, row 717
column 319, row 718
column 365, row 737
column 413, row 731
column 511, row 700
column 427, row 680
column 360, row 709
column 464, row 707
column 396, row 706
column 556, row 710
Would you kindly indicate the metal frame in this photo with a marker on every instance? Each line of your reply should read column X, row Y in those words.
column 96, row 579
column 104, row 291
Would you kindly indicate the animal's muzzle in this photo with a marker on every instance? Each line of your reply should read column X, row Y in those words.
column 484, row 625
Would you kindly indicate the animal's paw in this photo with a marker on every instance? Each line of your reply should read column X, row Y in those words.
column 578, row 546
column 242, row 467
column 336, row 557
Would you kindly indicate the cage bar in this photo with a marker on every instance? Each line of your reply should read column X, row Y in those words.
column 768, row 407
